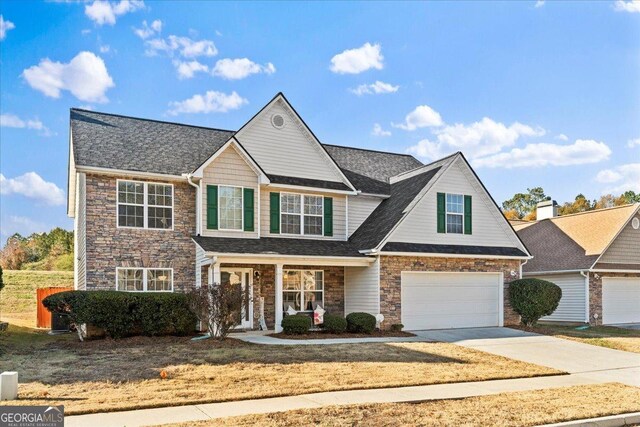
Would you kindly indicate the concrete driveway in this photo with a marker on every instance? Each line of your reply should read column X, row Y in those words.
column 585, row 360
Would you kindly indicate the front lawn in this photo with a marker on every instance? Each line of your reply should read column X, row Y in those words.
column 109, row 375
column 18, row 298
column 604, row 336
column 524, row 408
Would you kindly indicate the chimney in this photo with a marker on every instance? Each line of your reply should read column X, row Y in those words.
column 546, row 209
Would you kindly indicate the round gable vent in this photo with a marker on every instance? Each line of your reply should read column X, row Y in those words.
column 635, row 223
column 277, row 121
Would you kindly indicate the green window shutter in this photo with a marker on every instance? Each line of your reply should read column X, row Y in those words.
column 212, row 207
column 248, row 209
column 467, row 214
column 328, row 216
column 442, row 213
column 274, row 213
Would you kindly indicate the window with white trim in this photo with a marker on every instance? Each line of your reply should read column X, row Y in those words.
column 302, row 290
column 455, row 213
column 301, row 214
column 144, row 279
column 230, row 208
column 145, row 205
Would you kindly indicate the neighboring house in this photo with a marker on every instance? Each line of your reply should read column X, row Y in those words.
column 593, row 256
column 165, row 207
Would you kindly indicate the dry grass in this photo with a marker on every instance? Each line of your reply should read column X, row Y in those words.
column 528, row 408
column 18, row 298
column 116, row 375
column 603, row 336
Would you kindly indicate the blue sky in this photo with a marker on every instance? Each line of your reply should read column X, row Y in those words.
column 534, row 93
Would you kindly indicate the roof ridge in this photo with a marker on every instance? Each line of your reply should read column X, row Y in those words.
column 425, row 165
column 593, row 211
column 149, row 120
column 369, row 149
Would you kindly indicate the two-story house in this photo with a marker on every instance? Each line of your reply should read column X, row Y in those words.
column 163, row 207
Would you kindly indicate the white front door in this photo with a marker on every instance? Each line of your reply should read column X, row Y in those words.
column 243, row 278
column 620, row 300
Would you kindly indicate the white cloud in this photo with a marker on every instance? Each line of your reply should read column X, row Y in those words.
column 378, row 131
column 537, row 155
column 562, row 137
column 236, row 69
column 621, row 178
column 4, row 27
column 148, row 30
column 539, row 3
column 31, row 185
column 184, row 46
column 105, row 12
column 631, row 6
column 633, row 142
column 375, row 88
column 423, row 116
column 210, row 102
column 85, row 76
column 355, row 61
column 13, row 121
column 187, row 69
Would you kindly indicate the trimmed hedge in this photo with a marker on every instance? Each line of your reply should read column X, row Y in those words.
column 296, row 324
column 122, row 314
column 533, row 299
column 334, row 324
column 361, row 323
column 397, row 327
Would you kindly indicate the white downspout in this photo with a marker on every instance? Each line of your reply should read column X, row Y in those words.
column 586, row 294
column 198, row 201
column 521, row 265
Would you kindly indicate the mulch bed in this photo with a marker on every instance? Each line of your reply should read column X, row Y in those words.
column 326, row 335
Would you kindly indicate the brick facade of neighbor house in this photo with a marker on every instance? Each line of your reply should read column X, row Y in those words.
column 391, row 268
column 109, row 247
column 595, row 294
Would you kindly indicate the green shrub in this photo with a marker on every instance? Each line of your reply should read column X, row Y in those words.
column 533, row 299
column 361, row 323
column 123, row 314
column 397, row 327
column 334, row 324
column 295, row 325
column 63, row 263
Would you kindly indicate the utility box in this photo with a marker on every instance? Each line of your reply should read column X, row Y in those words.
column 8, row 386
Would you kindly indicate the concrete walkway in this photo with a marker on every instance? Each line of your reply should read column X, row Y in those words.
column 262, row 337
column 191, row 413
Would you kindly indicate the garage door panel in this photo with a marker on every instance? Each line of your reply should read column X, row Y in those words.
column 450, row 300
column 620, row 300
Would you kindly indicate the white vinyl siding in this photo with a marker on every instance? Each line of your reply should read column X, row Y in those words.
column 625, row 249
column 80, row 244
column 620, row 300
column 360, row 207
column 572, row 307
column 450, row 300
column 489, row 226
column 200, row 258
column 362, row 289
column 339, row 215
column 290, row 151
column 229, row 169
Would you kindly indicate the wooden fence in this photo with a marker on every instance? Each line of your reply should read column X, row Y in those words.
column 44, row 315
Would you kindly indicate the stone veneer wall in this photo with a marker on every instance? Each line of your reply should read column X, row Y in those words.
column 595, row 294
column 109, row 247
column 392, row 266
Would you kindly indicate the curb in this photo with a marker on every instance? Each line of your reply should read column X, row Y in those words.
column 632, row 418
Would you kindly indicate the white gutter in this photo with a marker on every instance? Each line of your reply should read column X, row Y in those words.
column 441, row 255
column 316, row 189
column 522, row 265
column 612, row 270
column 198, row 201
column 137, row 174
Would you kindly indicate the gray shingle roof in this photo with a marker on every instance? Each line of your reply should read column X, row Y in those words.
column 277, row 246
column 452, row 249
column 370, row 170
column 306, row 182
column 389, row 212
column 552, row 249
column 119, row 142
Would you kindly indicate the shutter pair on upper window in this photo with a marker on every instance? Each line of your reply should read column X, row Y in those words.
column 274, row 214
column 247, row 211
column 442, row 213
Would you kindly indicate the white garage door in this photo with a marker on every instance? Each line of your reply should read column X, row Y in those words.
column 620, row 300
column 450, row 300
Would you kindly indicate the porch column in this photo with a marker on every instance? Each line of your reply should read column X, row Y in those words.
column 216, row 273
column 278, row 303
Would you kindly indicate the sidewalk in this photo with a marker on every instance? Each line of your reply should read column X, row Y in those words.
column 201, row 412
column 261, row 337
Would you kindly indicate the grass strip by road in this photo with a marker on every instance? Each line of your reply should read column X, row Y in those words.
column 603, row 336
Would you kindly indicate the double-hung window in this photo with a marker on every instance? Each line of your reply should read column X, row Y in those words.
column 144, row 279
column 302, row 290
column 455, row 213
column 145, row 205
column 230, row 207
column 301, row 214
